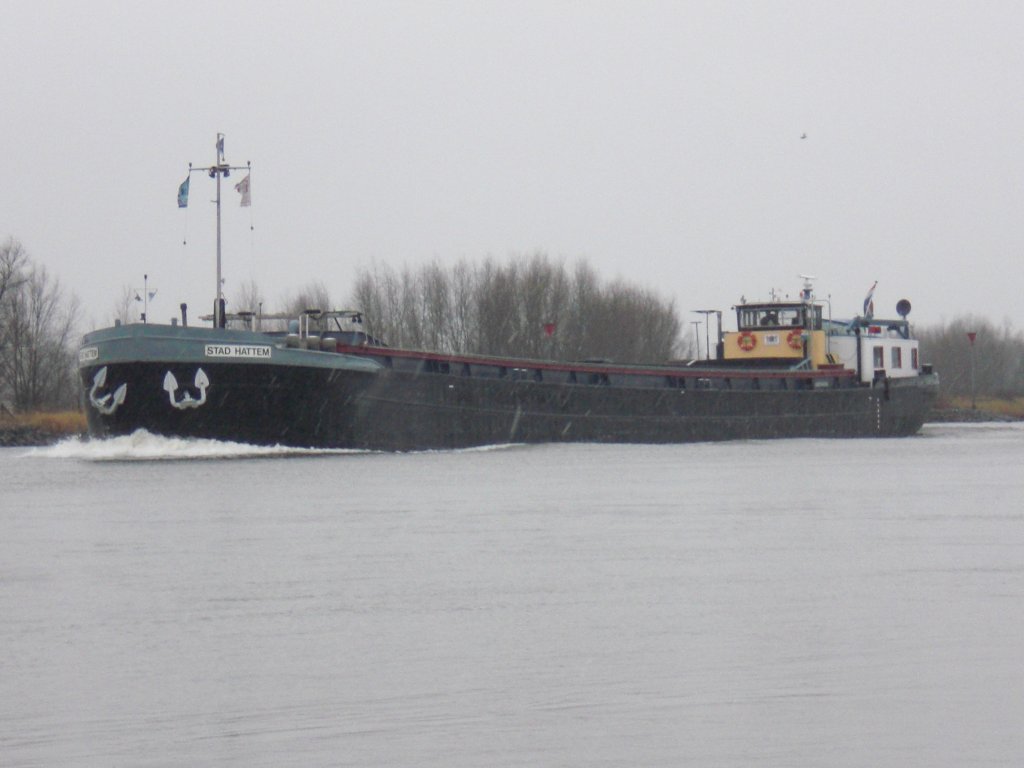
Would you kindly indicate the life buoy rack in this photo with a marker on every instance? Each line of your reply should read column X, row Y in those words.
column 795, row 339
column 746, row 341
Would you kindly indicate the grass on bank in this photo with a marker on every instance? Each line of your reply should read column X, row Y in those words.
column 50, row 422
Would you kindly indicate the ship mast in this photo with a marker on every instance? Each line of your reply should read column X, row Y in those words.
column 220, row 169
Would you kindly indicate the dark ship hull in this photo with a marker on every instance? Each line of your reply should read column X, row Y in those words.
column 406, row 412
column 264, row 389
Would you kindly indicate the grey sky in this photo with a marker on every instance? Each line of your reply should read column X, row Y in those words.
column 660, row 141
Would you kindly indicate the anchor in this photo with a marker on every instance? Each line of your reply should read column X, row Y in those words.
column 171, row 388
column 110, row 401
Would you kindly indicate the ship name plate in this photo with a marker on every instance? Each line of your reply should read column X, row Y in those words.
column 238, row 350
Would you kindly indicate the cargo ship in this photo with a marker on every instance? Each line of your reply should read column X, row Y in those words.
column 321, row 380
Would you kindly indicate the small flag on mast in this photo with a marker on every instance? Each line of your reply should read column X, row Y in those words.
column 242, row 188
column 183, row 193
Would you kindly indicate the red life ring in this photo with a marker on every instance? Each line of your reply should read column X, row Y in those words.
column 746, row 341
column 795, row 339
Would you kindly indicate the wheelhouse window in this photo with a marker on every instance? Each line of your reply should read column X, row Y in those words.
column 897, row 357
column 779, row 316
column 878, row 357
column 914, row 363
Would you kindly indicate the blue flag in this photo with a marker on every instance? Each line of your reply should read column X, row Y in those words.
column 183, row 193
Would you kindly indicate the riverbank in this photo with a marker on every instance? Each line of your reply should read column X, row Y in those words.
column 40, row 428
column 967, row 415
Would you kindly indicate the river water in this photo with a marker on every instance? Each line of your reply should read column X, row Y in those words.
column 777, row 603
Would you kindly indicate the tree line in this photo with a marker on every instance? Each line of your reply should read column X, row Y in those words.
column 995, row 358
column 38, row 330
column 525, row 307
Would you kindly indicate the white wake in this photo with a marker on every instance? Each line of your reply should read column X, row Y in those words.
column 145, row 446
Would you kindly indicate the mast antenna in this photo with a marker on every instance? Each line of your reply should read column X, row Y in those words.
column 808, row 290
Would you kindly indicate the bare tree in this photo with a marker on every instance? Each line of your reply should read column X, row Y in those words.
column 462, row 317
column 367, row 297
column 575, row 340
column 13, row 260
column 410, row 306
column 313, row 295
column 496, row 315
column 126, row 307
column 434, row 291
column 378, row 294
column 247, row 297
column 38, row 365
